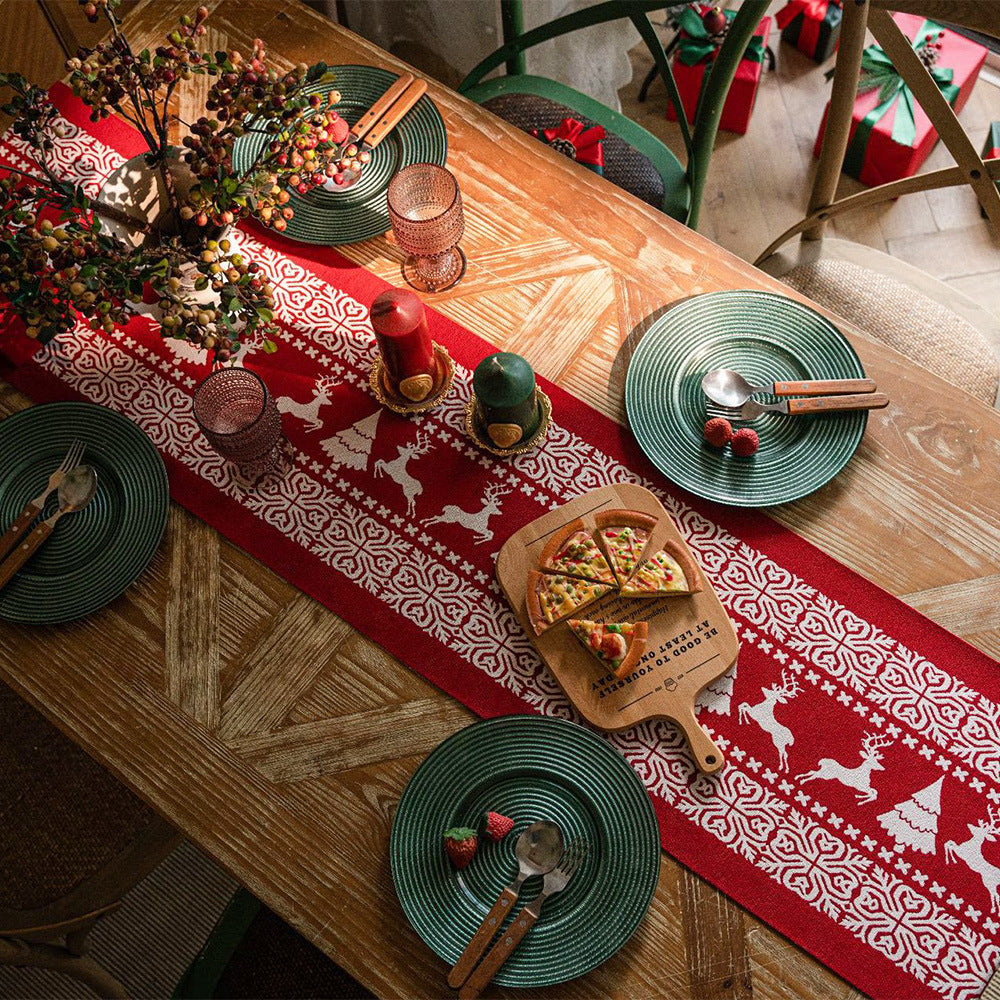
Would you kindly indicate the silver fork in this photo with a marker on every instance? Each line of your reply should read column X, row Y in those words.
column 751, row 409
column 33, row 508
column 555, row 881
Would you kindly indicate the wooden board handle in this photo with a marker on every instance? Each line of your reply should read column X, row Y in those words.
column 24, row 551
column 707, row 755
column 395, row 114
column 499, row 954
column 817, row 404
column 21, row 524
column 824, row 387
column 372, row 115
column 492, row 922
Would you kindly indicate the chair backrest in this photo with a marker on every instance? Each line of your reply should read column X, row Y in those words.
column 699, row 134
column 970, row 167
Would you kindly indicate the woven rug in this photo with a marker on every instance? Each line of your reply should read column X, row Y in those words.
column 859, row 807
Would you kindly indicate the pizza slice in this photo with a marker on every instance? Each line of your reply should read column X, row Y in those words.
column 624, row 535
column 667, row 573
column 619, row 645
column 551, row 597
column 573, row 552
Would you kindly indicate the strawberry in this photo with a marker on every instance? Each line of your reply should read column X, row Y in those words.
column 496, row 827
column 460, row 845
column 718, row 432
column 744, row 442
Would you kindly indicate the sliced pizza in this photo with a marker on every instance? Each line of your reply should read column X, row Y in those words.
column 573, row 552
column 624, row 535
column 619, row 645
column 667, row 573
column 551, row 597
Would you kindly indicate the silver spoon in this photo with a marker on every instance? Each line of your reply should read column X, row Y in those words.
column 75, row 492
column 538, row 851
column 729, row 388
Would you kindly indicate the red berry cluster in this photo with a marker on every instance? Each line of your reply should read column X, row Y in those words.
column 719, row 432
column 304, row 145
column 931, row 49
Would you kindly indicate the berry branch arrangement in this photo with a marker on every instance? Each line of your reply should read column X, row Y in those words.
column 64, row 255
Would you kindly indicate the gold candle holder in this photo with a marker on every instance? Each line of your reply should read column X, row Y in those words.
column 396, row 400
column 476, row 429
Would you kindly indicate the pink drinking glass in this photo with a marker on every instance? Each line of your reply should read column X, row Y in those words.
column 240, row 418
column 425, row 209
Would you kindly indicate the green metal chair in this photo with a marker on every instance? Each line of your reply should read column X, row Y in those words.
column 634, row 158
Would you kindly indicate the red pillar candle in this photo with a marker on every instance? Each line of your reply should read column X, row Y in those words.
column 404, row 340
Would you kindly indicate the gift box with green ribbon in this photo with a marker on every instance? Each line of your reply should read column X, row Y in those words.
column 891, row 135
column 812, row 26
column 695, row 55
column 991, row 149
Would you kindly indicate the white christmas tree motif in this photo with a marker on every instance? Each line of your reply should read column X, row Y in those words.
column 717, row 697
column 477, row 521
column 353, row 445
column 914, row 821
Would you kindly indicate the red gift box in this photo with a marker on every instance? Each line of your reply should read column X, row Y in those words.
column 875, row 157
column 742, row 94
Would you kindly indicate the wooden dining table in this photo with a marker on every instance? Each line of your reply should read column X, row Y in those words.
column 279, row 740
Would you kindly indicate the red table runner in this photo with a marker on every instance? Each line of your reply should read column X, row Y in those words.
column 860, row 806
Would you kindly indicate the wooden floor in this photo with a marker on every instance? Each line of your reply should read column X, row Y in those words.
column 759, row 183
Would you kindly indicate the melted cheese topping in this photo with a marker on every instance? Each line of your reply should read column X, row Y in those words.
column 659, row 575
column 559, row 595
column 580, row 556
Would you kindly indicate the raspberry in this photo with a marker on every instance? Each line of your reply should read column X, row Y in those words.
column 718, row 432
column 744, row 443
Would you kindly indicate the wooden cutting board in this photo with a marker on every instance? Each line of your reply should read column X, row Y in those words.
column 691, row 639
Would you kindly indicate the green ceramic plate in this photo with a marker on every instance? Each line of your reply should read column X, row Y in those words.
column 767, row 338
column 96, row 553
column 529, row 768
column 331, row 218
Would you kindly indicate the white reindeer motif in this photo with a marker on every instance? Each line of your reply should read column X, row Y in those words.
column 763, row 714
column 185, row 350
column 309, row 412
column 859, row 778
column 478, row 520
column 971, row 852
column 396, row 469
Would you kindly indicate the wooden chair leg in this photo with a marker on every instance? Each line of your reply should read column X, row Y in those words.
column 22, row 954
column 838, row 119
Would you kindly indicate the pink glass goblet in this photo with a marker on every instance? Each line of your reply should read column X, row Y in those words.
column 425, row 209
column 240, row 418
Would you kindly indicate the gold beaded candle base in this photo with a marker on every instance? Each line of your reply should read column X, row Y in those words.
column 475, row 429
column 444, row 373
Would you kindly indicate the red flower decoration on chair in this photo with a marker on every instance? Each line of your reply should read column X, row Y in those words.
column 575, row 140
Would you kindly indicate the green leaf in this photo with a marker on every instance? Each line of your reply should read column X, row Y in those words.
column 265, row 314
column 269, row 347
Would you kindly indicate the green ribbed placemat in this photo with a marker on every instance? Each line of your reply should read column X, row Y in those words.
column 530, row 768
column 332, row 218
column 93, row 555
column 766, row 338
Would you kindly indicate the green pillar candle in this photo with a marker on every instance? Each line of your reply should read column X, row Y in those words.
column 504, row 385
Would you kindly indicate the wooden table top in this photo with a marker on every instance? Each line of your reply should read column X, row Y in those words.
column 279, row 740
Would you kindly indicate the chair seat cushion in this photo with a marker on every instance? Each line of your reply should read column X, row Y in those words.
column 624, row 165
column 62, row 816
column 893, row 312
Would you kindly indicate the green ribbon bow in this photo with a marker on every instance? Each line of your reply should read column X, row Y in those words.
column 877, row 71
column 696, row 45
